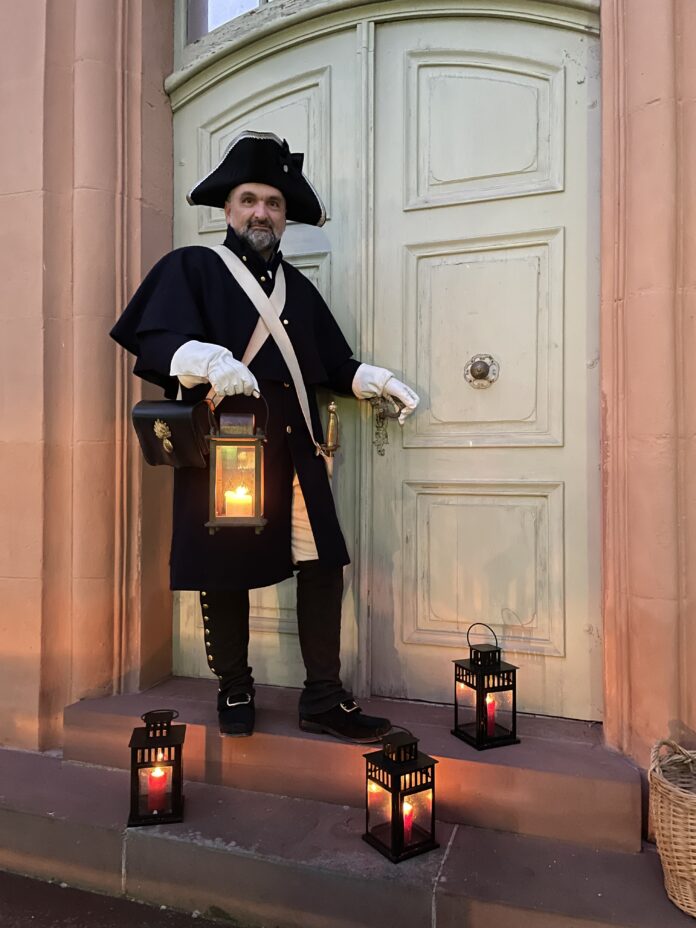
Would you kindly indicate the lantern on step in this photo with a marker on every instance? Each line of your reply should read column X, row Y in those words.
column 400, row 798
column 485, row 697
column 236, row 474
column 156, row 769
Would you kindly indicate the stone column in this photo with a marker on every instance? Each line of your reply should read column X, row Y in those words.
column 22, row 503
column 686, row 301
column 648, row 341
column 143, row 504
column 86, row 198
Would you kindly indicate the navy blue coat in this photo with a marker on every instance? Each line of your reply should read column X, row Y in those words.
column 190, row 294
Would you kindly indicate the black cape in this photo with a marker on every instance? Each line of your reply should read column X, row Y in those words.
column 190, row 294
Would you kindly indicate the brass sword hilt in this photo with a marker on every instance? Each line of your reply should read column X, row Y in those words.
column 332, row 443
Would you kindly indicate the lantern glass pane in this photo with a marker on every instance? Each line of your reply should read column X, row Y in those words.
column 466, row 706
column 155, row 790
column 235, row 481
column 498, row 714
column 379, row 804
column 417, row 814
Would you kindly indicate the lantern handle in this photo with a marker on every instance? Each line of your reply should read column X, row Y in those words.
column 484, row 626
column 212, row 421
column 212, row 405
column 172, row 713
column 260, row 396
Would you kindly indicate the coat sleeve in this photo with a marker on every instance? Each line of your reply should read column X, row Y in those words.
column 336, row 353
column 164, row 313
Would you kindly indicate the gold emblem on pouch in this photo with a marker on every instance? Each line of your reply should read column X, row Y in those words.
column 164, row 433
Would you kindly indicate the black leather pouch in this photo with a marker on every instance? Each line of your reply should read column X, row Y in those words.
column 172, row 432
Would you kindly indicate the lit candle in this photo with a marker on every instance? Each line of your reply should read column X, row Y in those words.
column 408, row 822
column 156, row 790
column 490, row 714
column 238, row 502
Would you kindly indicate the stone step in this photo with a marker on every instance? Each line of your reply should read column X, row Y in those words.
column 559, row 782
column 260, row 860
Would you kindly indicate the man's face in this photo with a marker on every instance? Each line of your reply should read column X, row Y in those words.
column 256, row 212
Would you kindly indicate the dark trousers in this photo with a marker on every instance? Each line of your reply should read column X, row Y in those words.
column 226, row 630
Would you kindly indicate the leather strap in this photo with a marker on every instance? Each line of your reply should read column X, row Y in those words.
column 258, row 336
column 261, row 333
column 269, row 317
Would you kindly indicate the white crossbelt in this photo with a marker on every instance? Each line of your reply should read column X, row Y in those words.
column 277, row 303
column 302, row 543
column 269, row 318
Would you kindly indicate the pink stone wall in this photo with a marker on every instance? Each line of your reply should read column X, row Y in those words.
column 22, row 73
column 648, row 343
column 88, row 169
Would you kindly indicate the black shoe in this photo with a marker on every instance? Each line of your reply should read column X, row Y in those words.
column 346, row 721
column 236, row 714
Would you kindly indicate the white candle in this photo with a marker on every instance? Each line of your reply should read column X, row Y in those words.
column 239, row 502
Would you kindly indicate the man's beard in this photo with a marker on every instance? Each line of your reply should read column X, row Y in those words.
column 260, row 238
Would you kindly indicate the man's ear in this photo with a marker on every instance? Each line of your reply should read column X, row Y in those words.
column 228, row 207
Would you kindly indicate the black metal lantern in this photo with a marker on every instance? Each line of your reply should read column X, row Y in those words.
column 485, row 697
column 400, row 798
column 156, row 769
column 236, row 474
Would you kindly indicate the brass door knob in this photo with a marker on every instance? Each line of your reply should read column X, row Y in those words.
column 481, row 371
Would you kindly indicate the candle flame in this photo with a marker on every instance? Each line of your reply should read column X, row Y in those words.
column 490, row 698
column 407, row 808
column 373, row 788
column 157, row 772
column 240, row 493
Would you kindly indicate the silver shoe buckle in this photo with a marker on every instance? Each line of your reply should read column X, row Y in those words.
column 240, row 702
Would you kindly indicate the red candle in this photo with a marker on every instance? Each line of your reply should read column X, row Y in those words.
column 490, row 715
column 156, row 790
column 408, row 822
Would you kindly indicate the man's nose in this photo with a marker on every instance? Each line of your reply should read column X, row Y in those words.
column 260, row 210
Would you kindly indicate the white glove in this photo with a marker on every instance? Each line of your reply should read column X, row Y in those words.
column 228, row 376
column 370, row 382
column 199, row 362
column 399, row 391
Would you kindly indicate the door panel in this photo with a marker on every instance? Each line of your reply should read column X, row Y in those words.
column 516, row 107
column 486, row 502
column 463, row 297
column 304, row 94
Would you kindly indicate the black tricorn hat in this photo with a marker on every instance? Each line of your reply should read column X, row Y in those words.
column 262, row 158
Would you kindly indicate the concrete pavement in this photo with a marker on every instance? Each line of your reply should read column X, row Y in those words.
column 26, row 903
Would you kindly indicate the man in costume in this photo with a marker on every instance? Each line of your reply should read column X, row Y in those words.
column 188, row 325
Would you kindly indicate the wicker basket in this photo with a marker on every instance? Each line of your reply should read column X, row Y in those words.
column 672, row 779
